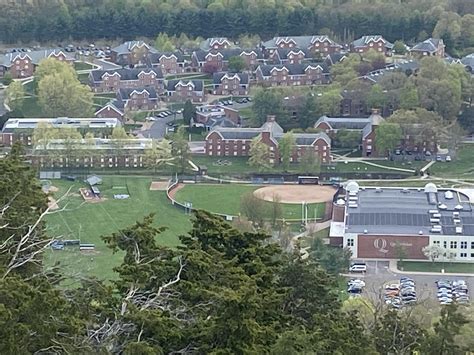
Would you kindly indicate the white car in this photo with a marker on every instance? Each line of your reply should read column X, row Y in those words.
column 356, row 282
column 448, row 158
column 150, row 118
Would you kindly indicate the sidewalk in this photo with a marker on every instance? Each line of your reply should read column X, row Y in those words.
column 392, row 266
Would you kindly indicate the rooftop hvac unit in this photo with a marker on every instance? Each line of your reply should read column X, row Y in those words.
column 420, row 232
column 459, row 230
column 366, row 231
column 458, row 207
column 448, row 195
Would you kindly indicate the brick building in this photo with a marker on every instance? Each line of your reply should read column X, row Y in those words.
column 211, row 116
column 183, row 90
column 216, row 61
column 365, row 126
column 236, row 84
column 114, row 80
column 292, row 74
column 289, row 56
column 134, row 100
column 429, row 47
column 375, row 42
column 215, row 44
column 236, row 142
column 317, row 45
column 170, row 63
column 131, row 53
column 378, row 222
column 23, row 64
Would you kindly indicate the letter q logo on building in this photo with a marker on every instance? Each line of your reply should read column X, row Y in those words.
column 380, row 244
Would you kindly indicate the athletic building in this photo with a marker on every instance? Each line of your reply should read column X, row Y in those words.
column 386, row 223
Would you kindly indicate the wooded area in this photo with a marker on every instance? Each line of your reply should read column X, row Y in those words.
column 409, row 20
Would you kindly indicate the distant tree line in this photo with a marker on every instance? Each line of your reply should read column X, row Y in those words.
column 67, row 20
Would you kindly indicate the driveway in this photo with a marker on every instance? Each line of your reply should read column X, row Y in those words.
column 105, row 65
column 159, row 128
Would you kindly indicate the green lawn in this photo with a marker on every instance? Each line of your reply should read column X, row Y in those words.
column 88, row 221
column 428, row 266
column 225, row 199
column 82, row 66
column 460, row 167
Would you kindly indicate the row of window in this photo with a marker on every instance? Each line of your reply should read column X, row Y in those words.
column 453, row 244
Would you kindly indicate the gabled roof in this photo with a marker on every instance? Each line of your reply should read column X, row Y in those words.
column 300, row 41
column 125, row 94
column 293, row 69
column 218, row 77
column 208, row 43
column 258, row 52
column 365, row 40
column 334, row 58
column 111, row 106
column 310, row 138
column 430, row 45
column 197, row 84
column 468, row 61
column 364, row 125
column 125, row 74
column 127, row 47
column 344, row 122
column 154, row 58
column 285, row 52
column 35, row 56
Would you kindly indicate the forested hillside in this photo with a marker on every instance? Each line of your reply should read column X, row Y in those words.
column 410, row 20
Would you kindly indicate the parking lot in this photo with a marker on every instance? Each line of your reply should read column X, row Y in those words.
column 378, row 275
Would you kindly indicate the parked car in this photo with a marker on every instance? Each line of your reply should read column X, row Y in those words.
column 448, row 158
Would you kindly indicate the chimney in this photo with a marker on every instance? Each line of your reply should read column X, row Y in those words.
column 270, row 118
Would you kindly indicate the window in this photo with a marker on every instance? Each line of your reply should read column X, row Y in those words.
column 453, row 244
column 463, row 255
column 436, row 242
column 445, row 244
column 472, row 245
column 350, row 242
column 463, row 245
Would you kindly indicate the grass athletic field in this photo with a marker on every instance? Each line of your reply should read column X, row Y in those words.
column 88, row 221
column 225, row 199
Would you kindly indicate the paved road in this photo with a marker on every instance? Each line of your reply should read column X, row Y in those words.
column 378, row 274
column 158, row 128
column 105, row 65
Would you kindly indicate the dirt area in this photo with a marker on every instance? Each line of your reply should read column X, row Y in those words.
column 52, row 204
column 296, row 193
column 159, row 185
column 89, row 197
column 53, row 189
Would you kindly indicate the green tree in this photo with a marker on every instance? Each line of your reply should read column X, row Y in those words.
column 396, row 333
column 276, row 210
column 60, row 93
column 308, row 113
column 329, row 103
column 164, row 43
column 333, row 260
column 180, row 149
column 347, row 138
column 409, row 98
column 345, row 71
column 7, row 79
column 188, row 112
column 442, row 340
column 259, row 155
column 158, row 155
column 236, row 64
column 387, row 137
column 399, row 47
column 15, row 95
column 376, row 98
column 253, row 208
column 267, row 102
column 286, row 146
column 310, row 162
column 51, row 66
